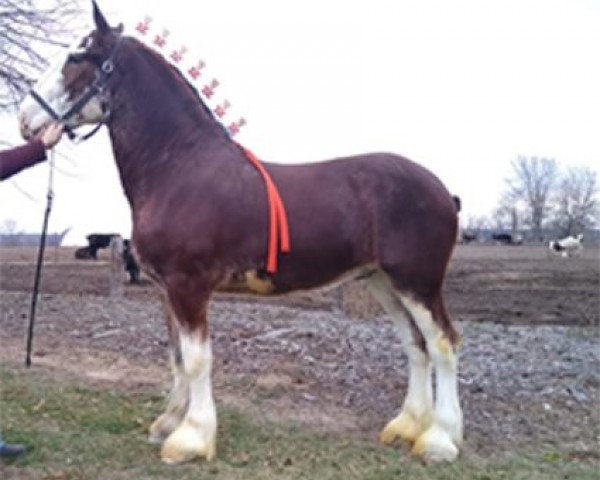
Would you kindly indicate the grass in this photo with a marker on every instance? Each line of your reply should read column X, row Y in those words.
column 79, row 432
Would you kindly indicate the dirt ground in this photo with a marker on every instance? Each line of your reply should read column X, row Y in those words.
column 331, row 360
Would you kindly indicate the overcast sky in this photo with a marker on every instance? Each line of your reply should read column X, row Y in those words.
column 462, row 87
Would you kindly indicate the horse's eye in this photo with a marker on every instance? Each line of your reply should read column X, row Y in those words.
column 80, row 57
column 76, row 57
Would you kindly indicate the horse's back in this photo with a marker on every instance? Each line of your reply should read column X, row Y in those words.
column 390, row 191
column 391, row 177
column 379, row 209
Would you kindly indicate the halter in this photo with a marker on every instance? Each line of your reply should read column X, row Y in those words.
column 98, row 87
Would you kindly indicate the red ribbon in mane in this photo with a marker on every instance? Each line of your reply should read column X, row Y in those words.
column 279, row 234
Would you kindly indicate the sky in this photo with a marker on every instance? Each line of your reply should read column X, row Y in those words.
column 462, row 87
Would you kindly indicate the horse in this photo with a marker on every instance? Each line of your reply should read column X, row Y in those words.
column 567, row 246
column 200, row 216
column 507, row 238
column 129, row 263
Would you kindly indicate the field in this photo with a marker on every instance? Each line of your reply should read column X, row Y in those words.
column 303, row 383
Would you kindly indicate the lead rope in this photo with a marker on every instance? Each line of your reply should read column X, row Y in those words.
column 40, row 260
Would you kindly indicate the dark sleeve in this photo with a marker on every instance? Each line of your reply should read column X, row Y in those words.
column 16, row 159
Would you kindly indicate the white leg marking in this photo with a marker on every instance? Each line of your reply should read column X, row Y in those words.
column 417, row 411
column 166, row 423
column 441, row 440
column 196, row 436
column 419, row 398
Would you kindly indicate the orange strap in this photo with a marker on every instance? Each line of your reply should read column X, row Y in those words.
column 278, row 224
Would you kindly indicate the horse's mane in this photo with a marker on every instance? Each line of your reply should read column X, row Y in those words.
column 189, row 91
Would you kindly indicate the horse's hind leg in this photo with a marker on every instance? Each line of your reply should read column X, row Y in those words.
column 443, row 437
column 416, row 414
column 178, row 401
column 196, row 434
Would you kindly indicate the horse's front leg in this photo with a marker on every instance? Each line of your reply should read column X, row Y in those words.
column 196, row 434
column 178, row 401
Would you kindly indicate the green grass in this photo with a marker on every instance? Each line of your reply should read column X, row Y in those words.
column 77, row 432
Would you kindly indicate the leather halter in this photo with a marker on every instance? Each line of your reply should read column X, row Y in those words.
column 98, row 87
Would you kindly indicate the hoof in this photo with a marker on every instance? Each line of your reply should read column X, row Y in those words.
column 435, row 445
column 187, row 442
column 162, row 427
column 407, row 427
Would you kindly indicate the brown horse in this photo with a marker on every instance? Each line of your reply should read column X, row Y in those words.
column 200, row 223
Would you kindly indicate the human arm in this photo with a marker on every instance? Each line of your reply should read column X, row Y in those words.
column 16, row 159
column 13, row 160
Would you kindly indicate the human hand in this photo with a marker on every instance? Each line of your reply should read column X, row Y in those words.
column 51, row 134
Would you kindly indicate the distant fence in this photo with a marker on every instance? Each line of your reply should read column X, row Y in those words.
column 30, row 239
column 485, row 235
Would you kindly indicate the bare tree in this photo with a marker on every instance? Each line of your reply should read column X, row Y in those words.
column 575, row 202
column 531, row 182
column 475, row 224
column 507, row 216
column 27, row 29
column 9, row 226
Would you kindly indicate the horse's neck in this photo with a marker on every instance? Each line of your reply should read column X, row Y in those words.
column 153, row 118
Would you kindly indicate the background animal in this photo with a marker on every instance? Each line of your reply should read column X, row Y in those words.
column 130, row 263
column 567, row 246
column 508, row 238
column 467, row 237
column 96, row 241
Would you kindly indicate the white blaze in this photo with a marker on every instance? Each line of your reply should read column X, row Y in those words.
column 51, row 88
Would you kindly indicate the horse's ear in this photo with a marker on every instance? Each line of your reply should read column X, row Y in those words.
column 99, row 20
column 119, row 28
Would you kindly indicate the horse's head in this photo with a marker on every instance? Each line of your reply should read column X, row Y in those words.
column 74, row 89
